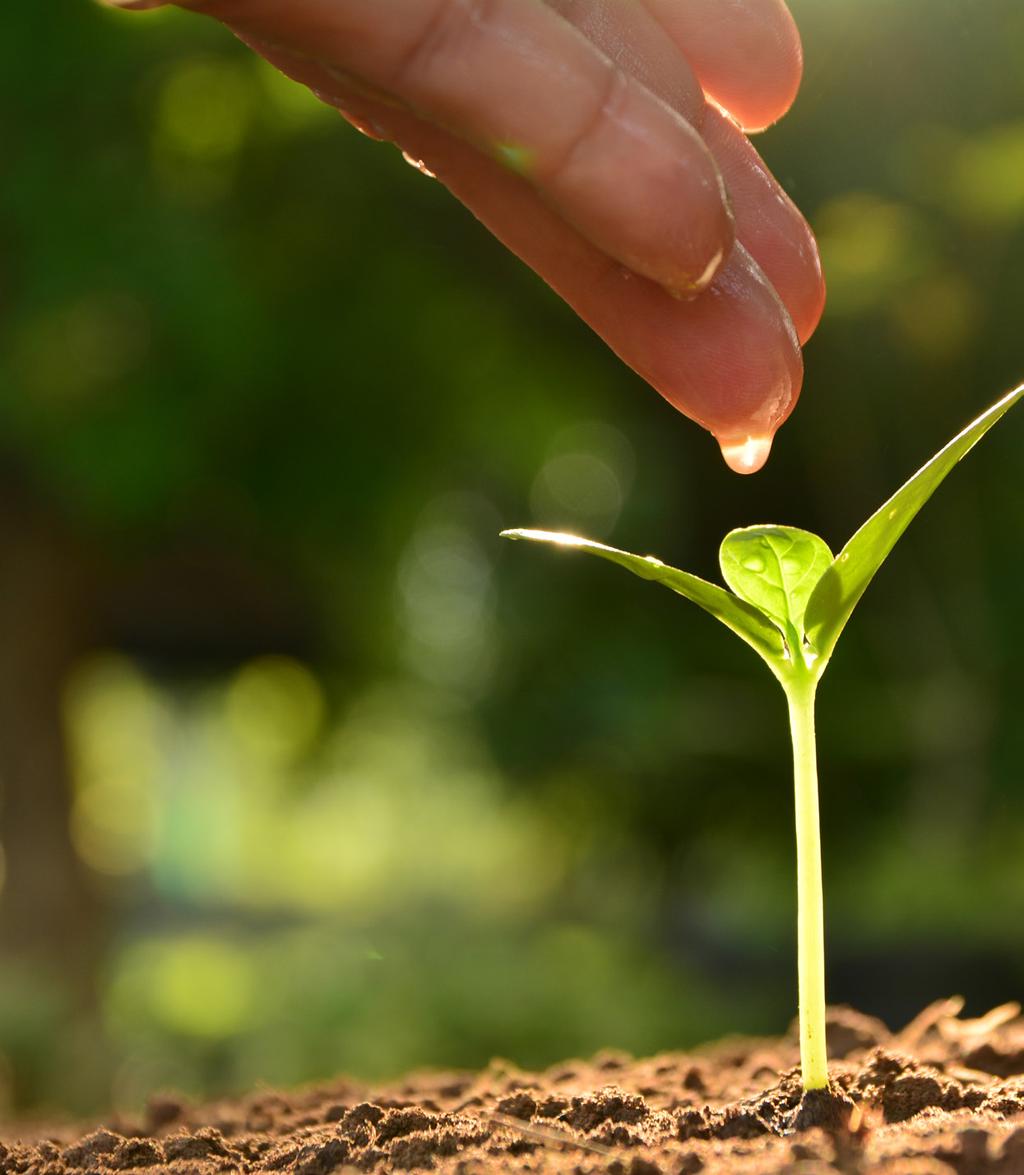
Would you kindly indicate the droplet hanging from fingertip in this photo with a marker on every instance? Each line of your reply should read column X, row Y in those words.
column 748, row 455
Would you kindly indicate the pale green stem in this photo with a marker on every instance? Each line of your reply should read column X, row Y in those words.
column 810, row 904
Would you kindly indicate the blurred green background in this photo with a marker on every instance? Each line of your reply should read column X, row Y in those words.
column 302, row 769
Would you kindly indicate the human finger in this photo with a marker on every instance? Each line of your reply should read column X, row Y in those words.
column 630, row 36
column 522, row 85
column 729, row 358
column 767, row 222
column 746, row 53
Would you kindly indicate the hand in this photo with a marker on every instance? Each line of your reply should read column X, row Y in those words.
column 578, row 131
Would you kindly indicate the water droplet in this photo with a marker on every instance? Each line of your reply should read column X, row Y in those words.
column 791, row 566
column 746, row 456
column 366, row 126
column 755, row 563
column 420, row 166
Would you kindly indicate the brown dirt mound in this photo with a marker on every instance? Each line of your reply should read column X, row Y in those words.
column 952, row 1106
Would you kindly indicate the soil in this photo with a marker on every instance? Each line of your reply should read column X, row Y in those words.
column 942, row 1096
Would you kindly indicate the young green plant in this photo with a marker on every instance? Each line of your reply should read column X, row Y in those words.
column 789, row 600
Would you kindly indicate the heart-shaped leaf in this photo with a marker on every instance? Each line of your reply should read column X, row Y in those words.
column 845, row 581
column 746, row 620
column 775, row 568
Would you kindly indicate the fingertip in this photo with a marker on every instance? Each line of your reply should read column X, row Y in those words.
column 642, row 185
column 773, row 73
column 809, row 312
column 761, row 81
column 747, row 56
column 685, row 272
column 730, row 360
column 769, row 224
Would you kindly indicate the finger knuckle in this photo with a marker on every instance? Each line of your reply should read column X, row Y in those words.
column 610, row 96
column 451, row 30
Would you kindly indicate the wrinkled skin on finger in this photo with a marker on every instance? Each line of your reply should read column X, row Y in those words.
column 767, row 222
column 618, row 199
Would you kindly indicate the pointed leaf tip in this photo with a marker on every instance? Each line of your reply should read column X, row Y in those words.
column 556, row 538
column 743, row 618
column 841, row 587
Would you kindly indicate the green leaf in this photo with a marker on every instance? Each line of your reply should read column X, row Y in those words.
column 839, row 589
column 747, row 621
column 775, row 568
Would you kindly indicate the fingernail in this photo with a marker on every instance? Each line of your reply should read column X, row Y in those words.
column 682, row 294
column 712, row 267
column 696, row 287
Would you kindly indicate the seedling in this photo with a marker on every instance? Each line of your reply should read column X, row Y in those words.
column 790, row 600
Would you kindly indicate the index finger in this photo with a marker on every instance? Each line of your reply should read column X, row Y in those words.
column 526, row 88
column 729, row 359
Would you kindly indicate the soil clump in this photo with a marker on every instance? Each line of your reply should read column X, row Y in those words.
column 943, row 1097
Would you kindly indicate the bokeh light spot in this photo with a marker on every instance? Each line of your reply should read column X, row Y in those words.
column 937, row 318
column 194, row 985
column 113, row 824
column 585, row 479
column 988, row 176
column 870, row 247
column 70, row 354
column 205, row 109
column 446, row 597
column 116, row 724
column 275, row 708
